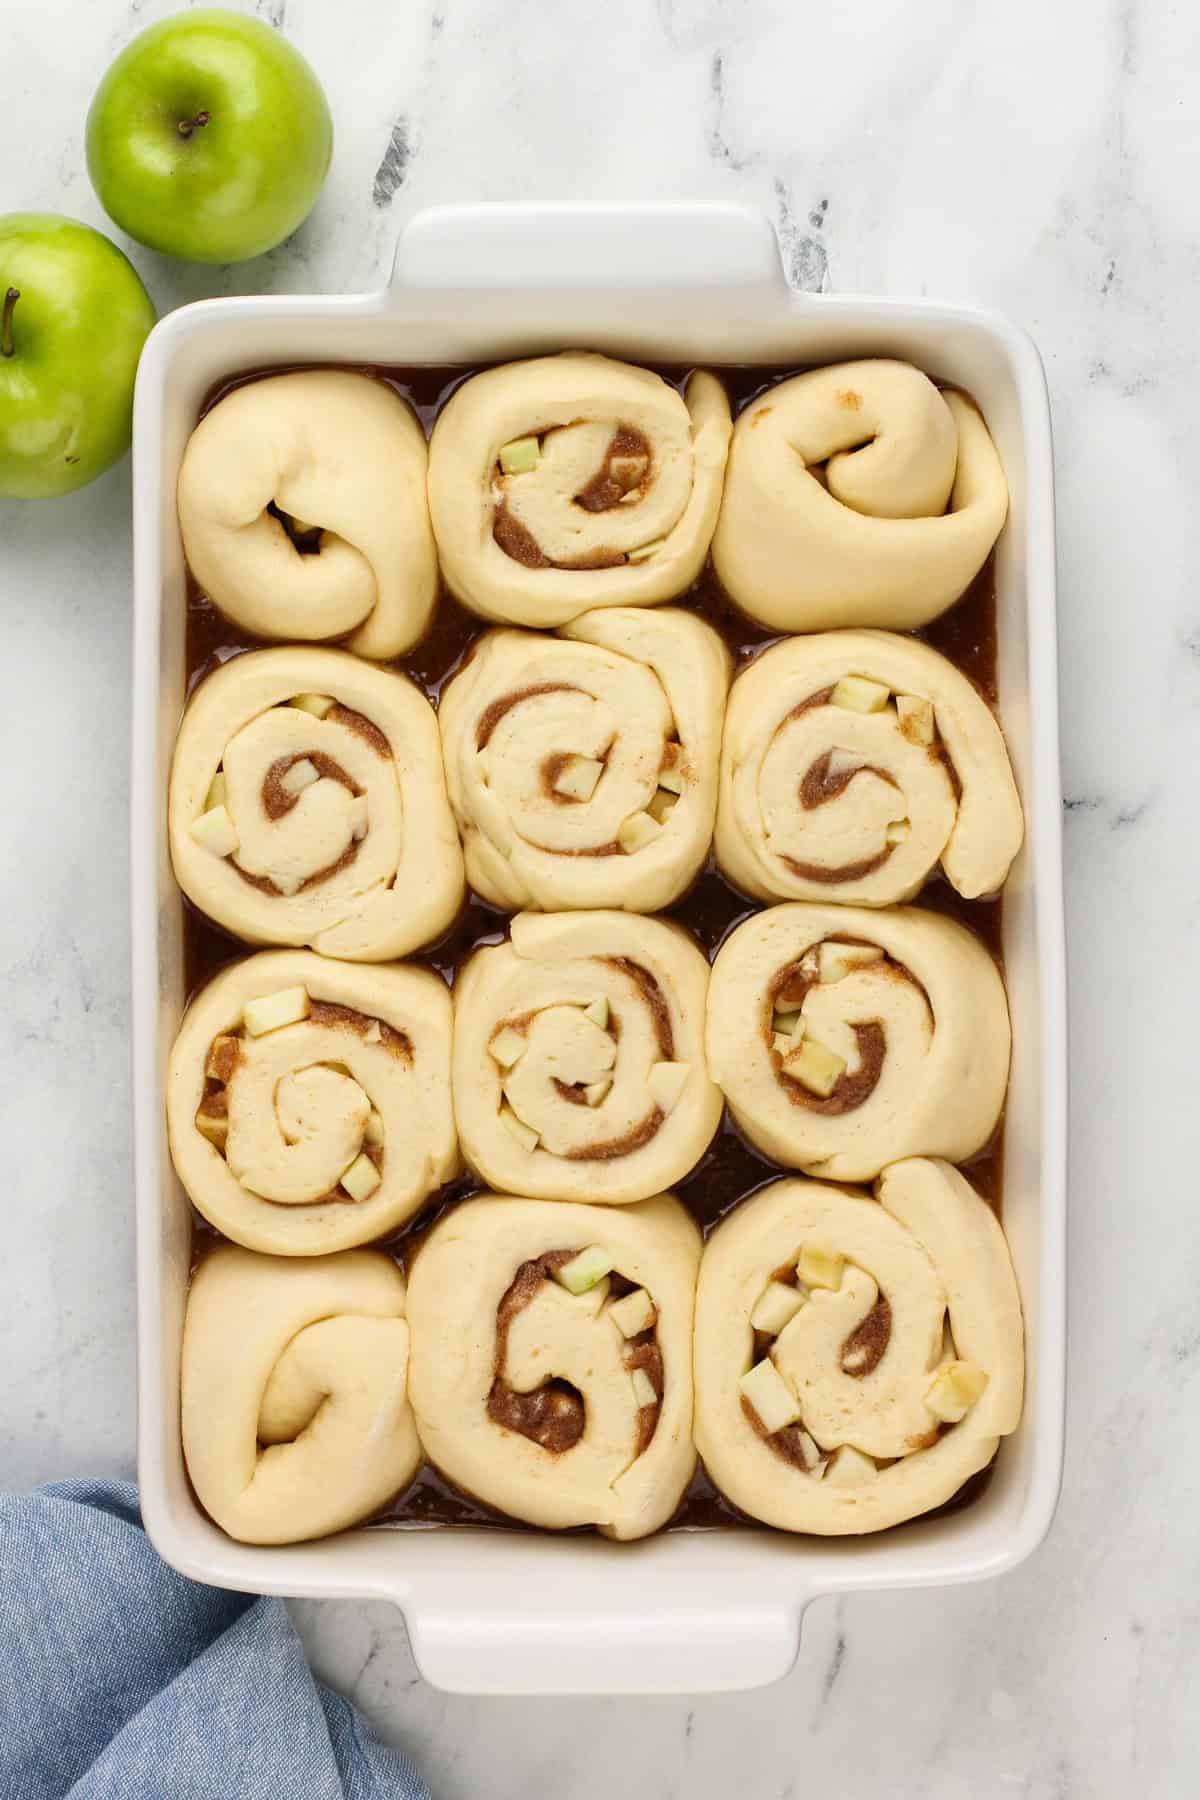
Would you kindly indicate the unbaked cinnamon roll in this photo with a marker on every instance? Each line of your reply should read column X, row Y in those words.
column 308, row 806
column 857, row 1359
column 573, row 481
column 296, row 1420
column 857, row 495
column 579, row 1067
column 582, row 769
column 303, row 511
column 845, row 1039
column 552, row 1358
column 853, row 763
column 308, row 1101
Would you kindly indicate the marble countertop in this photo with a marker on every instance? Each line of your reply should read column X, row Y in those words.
column 1037, row 158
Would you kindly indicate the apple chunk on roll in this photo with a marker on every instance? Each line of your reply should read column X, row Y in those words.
column 582, row 768
column 845, row 1039
column 552, row 1358
column 857, row 1359
column 579, row 1065
column 308, row 806
column 308, row 1101
column 854, row 763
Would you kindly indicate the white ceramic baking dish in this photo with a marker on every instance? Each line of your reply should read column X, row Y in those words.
column 498, row 1612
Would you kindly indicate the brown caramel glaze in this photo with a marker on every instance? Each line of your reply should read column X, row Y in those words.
column 730, row 1169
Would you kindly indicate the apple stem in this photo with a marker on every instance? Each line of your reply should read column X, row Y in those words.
column 187, row 126
column 6, row 318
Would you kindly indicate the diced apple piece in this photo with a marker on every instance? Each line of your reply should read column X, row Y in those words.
column 670, row 774
column 374, row 1033
column 627, row 471
column 634, row 1314
column 524, row 1134
column 839, row 960
column 301, row 775
column 666, row 1082
column 373, row 1129
column 789, row 1021
column 638, row 831
column 820, row 1268
column 218, row 789
column 521, row 456
column 508, row 1046
column 816, row 1068
column 597, row 1012
column 848, row 1467
column 858, row 694
column 316, row 704
column 777, row 1305
column 644, row 552
column 644, row 1391
column 288, row 884
column 898, row 831
column 810, row 1451
column 954, row 1390
column 215, row 1129
column 916, row 718
column 597, row 1091
column 661, row 804
column 223, row 1053
column 585, row 1270
column 770, row 1396
column 577, row 778
column 284, row 1007
column 215, row 831
column 361, row 1178
column 783, row 1043
column 358, row 817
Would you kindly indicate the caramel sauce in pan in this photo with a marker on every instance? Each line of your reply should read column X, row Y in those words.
column 731, row 1169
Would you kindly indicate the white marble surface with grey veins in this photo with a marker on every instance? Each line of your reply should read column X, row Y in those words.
column 1040, row 158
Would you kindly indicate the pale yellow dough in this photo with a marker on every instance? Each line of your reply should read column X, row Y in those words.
column 912, row 500
column 333, row 450
column 574, row 404
column 403, row 884
column 935, row 995
column 296, row 1420
column 299, row 1102
column 775, row 737
column 462, row 1273
column 932, row 1249
column 620, row 689
column 647, row 981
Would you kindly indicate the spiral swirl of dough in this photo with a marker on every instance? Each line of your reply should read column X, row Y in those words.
column 888, row 1381
column 559, row 1408
column 296, row 1420
column 822, row 801
column 354, row 1085
column 846, row 1039
column 579, row 1067
column 303, row 511
column 857, row 495
column 573, row 481
column 336, row 830
column 582, row 769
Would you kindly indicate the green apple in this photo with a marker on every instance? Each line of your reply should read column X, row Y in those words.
column 73, row 319
column 209, row 137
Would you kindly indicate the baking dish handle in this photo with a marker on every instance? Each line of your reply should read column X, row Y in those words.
column 623, row 1650
column 731, row 249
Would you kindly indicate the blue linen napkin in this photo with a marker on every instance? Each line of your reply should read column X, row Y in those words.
column 121, row 1680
